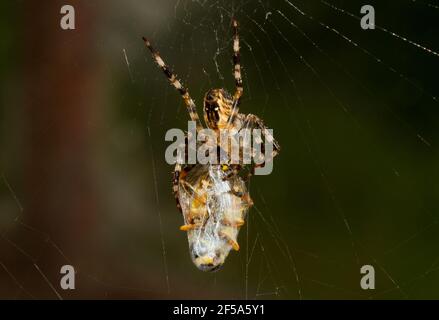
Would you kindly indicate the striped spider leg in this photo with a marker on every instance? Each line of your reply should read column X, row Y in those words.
column 190, row 105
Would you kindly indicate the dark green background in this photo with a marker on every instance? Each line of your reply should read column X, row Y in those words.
column 83, row 182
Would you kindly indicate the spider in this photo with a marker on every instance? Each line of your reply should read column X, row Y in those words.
column 214, row 198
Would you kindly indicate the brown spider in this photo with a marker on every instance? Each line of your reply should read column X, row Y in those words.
column 213, row 198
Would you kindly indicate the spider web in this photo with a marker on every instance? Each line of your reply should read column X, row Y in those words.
column 355, row 113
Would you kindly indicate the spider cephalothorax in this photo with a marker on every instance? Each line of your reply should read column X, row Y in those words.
column 214, row 198
column 218, row 108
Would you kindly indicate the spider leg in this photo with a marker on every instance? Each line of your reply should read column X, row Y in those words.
column 190, row 105
column 253, row 122
column 175, row 181
column 237, row 66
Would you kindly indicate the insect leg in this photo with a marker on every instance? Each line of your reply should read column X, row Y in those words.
column 232, row 243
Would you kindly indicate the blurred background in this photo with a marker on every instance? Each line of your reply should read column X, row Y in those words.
column 84, row 181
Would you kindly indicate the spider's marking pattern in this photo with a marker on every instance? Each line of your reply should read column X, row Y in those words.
column 213, row 198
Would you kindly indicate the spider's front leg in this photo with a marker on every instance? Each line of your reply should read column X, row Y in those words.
column 173, row 80
column 253, row 122
column 237, row 66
